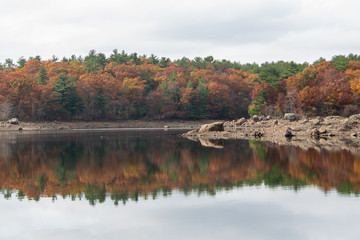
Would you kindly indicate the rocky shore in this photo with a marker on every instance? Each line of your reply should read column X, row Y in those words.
column 332, row 132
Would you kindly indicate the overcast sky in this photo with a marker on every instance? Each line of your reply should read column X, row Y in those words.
column 238, row 30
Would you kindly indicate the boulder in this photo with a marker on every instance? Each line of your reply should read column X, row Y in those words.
column 255, row 118
column 304, row 120
column 212, row 127
column 290, row 116
column 330, row 118
column 268, row 117
column 321, row 132
column 262, row 118
column 14, row 121
column 318, row 120
column 354, row 117
column 241, row 121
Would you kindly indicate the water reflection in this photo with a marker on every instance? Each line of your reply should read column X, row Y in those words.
column 126, row 165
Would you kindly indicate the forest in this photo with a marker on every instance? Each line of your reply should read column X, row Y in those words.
column 130, row 86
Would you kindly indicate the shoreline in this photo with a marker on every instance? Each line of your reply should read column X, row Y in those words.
column 331, row 133
column 81, row 125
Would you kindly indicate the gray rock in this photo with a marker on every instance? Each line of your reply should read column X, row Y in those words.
column 318, row 121
column 14, row 121
column 241, row 121
column 304, row 121
column 255, row 118
column 268, row 117
column 321, row 132
column 354, row 117
column 262, row 118
column 329, row 118
column 290, row 116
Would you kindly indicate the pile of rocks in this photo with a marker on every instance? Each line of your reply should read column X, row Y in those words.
column 290, row 126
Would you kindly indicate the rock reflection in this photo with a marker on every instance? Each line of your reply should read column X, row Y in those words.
column 127, row 166
column 215, row 143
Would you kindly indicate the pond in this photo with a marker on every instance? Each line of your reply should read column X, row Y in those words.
column 144, row 184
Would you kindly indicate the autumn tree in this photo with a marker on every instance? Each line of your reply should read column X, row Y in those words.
column 320, row 89
column 91, row 88
column 21, row 94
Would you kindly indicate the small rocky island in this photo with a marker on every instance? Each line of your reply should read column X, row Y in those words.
column 332, row 132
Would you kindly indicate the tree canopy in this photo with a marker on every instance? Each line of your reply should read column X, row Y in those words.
column 132, row 86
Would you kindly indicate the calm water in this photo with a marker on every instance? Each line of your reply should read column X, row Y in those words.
column 153, row 184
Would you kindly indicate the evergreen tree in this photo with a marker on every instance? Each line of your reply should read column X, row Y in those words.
column 54, row 58
column 43, row 77
column 21, row 62
column 95, row 61
column 119, row 58
column 68, row 101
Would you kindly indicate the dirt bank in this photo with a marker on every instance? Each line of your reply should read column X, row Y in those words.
column 56, row 125
column 332, row 133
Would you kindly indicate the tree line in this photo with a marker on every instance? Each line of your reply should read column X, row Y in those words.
column 129, row 86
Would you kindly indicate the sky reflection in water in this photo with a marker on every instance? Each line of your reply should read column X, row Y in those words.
column 246, row 213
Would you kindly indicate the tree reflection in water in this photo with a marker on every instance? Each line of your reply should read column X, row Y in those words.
column 127, row 165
